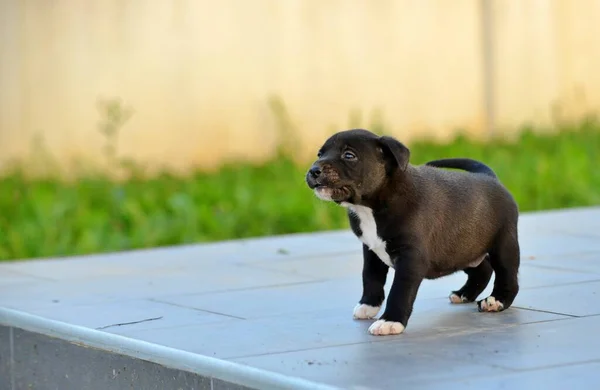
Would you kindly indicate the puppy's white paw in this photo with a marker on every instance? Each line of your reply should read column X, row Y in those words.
column 384, row 328
column 458, row 299
column 365, row 312
column 490, row 304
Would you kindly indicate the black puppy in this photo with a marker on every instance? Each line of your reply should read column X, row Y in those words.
column 423, row 221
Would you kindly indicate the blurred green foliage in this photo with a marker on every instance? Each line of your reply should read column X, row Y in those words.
column 47, row 217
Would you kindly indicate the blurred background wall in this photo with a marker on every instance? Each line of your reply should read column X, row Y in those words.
column 207, row 81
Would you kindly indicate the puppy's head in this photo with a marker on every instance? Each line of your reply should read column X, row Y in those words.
column 354, row 165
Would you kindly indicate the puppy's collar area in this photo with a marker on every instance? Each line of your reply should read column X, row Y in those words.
column 377, row 205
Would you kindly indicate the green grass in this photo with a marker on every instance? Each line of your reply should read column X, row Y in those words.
column 40, row 218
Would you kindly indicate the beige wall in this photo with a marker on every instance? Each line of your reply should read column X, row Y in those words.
column 200, row 76
column 547, row 57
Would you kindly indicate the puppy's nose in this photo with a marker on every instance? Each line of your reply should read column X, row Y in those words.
column 315, row 171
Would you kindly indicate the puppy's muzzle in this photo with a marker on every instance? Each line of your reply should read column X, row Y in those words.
column 315, row 172
column 313, row 175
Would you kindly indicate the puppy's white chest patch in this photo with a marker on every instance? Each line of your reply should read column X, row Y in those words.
column 369, row 235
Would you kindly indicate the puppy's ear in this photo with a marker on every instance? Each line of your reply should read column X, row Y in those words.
column 395, row 151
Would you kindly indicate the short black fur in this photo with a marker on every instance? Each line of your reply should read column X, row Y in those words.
column 466, row 164
column 434, row 222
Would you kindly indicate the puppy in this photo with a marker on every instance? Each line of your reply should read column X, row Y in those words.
column 423, row 221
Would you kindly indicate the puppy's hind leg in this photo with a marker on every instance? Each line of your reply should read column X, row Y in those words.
column 505, row 261
column 478, row 278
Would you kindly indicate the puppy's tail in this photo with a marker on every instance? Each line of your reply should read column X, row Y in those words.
column 466, row 164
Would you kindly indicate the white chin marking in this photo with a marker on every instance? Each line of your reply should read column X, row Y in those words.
column 490, row 304
column 456, row 299
column 365, row 312
column 385, row 328
column 324, row 193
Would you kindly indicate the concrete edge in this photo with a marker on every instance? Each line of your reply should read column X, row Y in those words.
column 166, row 356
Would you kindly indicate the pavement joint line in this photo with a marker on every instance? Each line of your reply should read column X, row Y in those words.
column 10, row 270
column 390, row 339
column 196, row 309
column 211, row 292
column 572, row 233
column 292, row 256
column 547, row 256
column 565, row 316
column 546, row 311
column 565, row 284
column 265, row 267
column 565, row 269
column 130, row 323
column 551, row 366
column 185, row 361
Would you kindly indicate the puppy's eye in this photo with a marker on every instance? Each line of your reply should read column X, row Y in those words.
column 349, row 156
column 319, row 154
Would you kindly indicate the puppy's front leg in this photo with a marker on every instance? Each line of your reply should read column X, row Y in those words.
column 374, row 275
column 399, row 306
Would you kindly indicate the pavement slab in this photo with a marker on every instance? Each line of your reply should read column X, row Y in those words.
column 276, row 312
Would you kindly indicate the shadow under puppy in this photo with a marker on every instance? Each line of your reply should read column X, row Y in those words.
column 423, row 221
